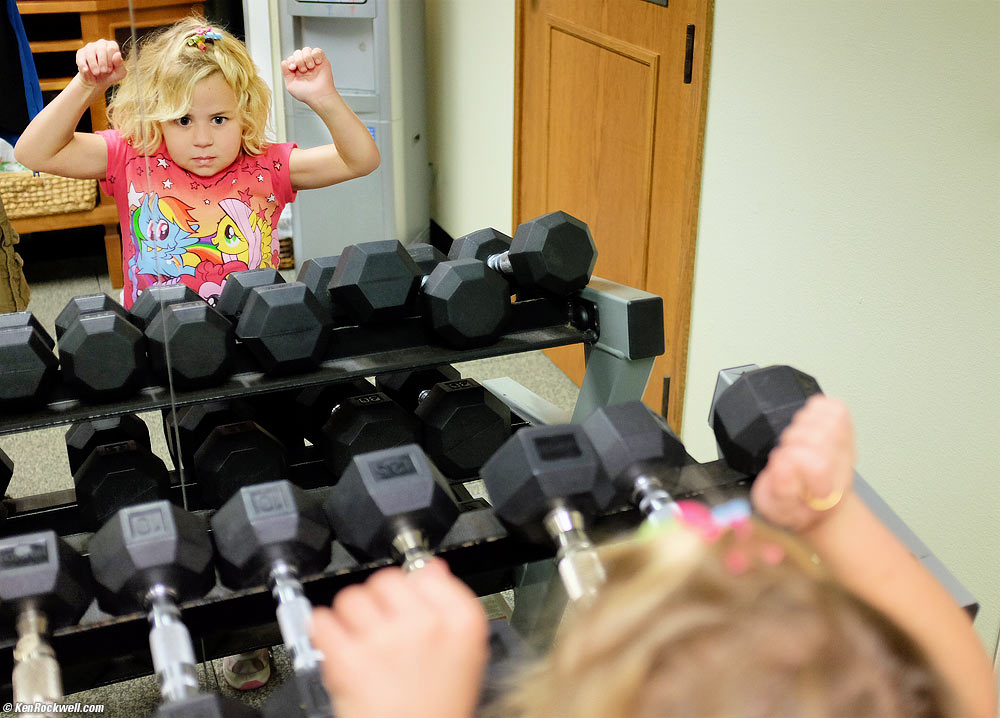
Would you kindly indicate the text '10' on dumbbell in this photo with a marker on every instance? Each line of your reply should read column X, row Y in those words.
column 282, row 325
column 28, row 368
column 151, row 558
column 274, row 534
column 188, row 341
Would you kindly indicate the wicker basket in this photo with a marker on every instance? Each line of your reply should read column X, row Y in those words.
column 286, row 259
column 26, row 194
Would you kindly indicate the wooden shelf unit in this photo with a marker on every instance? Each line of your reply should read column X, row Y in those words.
column 96, row 19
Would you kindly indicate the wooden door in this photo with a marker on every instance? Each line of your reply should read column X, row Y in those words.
column 609, row 120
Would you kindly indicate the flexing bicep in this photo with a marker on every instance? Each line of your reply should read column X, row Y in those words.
column 85, row 156
column 318, row 167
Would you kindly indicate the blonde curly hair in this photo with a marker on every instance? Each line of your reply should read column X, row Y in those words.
column 162, row 73
column 676, row 631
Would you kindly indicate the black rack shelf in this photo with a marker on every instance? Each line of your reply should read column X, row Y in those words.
column 353, row 352
column 105, row 649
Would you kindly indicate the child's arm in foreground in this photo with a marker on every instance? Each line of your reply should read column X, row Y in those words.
column 50, row 142
column 810, row 468
column 403, row 645
column 353, row 153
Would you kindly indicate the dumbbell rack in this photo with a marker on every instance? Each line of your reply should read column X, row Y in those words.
column 104, row 649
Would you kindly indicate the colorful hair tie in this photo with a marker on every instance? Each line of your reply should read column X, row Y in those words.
column 707, row 522
column 201, row 35
column 711, row 524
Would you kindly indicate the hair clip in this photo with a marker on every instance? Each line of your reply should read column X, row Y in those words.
column 711, row 524
column 707, row 522
column 202, row 35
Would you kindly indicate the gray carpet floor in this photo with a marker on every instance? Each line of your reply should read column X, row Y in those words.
column 41, row 465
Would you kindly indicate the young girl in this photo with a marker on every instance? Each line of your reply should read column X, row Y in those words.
column 726, row 618
column 199, row 189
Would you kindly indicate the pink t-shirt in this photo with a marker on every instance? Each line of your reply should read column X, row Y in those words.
column 179, row 227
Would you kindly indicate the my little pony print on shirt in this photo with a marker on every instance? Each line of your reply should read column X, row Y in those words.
column 179, row 227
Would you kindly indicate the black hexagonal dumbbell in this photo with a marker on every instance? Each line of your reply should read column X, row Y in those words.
column 392, row 502
column 375, row 281
column 284, row 327
column 427, row 256
column 103, row 355
column 236, row 455
column 28, row 367
column 463, row 422
column 464, row 303
column 749, row 416
column 554, row 253
column 317, row 272
column 83, row 437
column 185, row 428
column 151, row 558
column 44, row 585
column 237, row 288
column 115, row 474
column 273, row 534
column 188, row 341
column 349, row 418
column 221, row 449
column 641, row 455
column 542, row 483
column 312, row 406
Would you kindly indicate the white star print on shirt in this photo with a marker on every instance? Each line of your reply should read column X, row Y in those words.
column 167, row 184
column 260, row 178
column 162, row 162
column 270, row 197
column 134, row 197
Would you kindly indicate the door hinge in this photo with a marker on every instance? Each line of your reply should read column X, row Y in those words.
column 665, row 399
column 689, row 55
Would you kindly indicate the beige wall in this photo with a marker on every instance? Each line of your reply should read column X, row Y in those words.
column 470, row 113
column 849, row 215
column 849, row 226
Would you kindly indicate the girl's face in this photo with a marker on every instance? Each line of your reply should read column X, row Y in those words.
column 208, row 138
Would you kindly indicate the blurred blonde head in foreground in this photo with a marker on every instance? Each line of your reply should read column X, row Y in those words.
column 743, row 624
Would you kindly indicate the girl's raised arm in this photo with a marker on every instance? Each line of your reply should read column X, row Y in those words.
column 50, row 142
column 807, row 486
column 352, row 153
